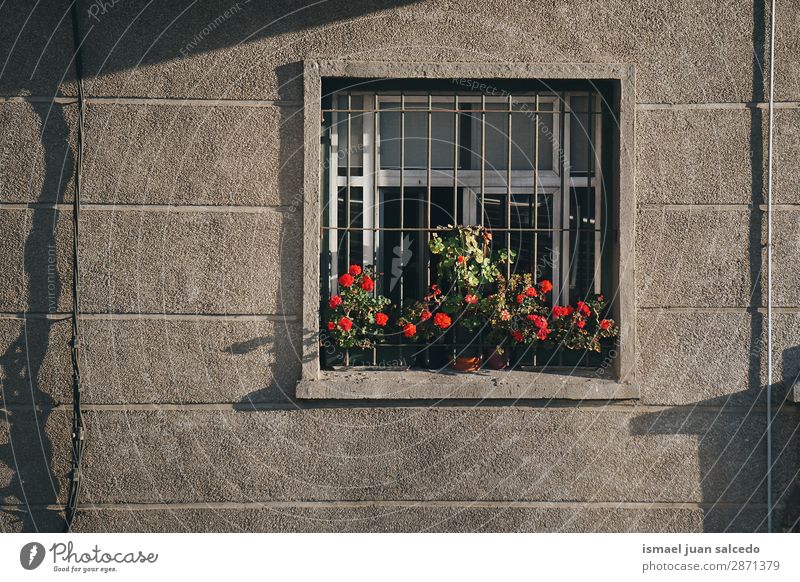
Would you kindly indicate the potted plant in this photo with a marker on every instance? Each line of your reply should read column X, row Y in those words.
column 425, row 320
column 355, row 317
column 519, row 317
column 467, row 269
column 583, row 326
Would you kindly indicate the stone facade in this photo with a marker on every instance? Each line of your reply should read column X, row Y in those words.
column 192, row 277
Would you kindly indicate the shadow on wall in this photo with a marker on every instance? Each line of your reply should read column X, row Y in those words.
column 28, row 454
column 731, row 445
column 124, row 36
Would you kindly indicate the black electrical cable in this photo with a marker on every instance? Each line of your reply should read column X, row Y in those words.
column 77, row 416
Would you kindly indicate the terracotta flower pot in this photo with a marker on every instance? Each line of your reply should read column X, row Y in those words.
column 466, row 363
column 497, row 360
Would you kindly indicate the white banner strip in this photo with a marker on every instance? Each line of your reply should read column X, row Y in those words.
column 402, row 557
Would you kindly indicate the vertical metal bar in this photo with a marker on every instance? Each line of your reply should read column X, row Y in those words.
column 535, row 236
column 429, row 178
column 555, row 221
column 566, row 193
column 536, row 188
column 347, row 186
column 370, row 190
column 455, row 157
column 508, row 184
column 483, row 156
column 368, row 177
column 596, row 120
column 333, row 198
column 402, row 194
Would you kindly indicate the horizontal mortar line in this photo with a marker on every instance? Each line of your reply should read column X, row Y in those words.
column 170, row 101
column 785, row 207
column 691, row 206
column 157, row 316
column 218, row 208
column 720, row 206
column 789, row 309
column 684, row 309
column 740, row 105
column 399, row 503
column 542, row 405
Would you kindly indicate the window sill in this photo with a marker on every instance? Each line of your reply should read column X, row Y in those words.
column 486, row 384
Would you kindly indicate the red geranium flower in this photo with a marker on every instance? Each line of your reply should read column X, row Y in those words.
column 425, row 315
column 346, row 280
column 530, row 292
column 545, row 286
column 381, row 319
column 517, row 335
column 409, row 330
column 583, row 309
column 461, row 259
column 559, row 311
column 331, row 326
column 367, row 284
column 520, row 298
column 542, row 333
column 605, row 324
column 355, row 270
column 538, row 321
column 581, row 323
column 436, row 290
column 570, row 310
column 471, row 299
column 335, row 302
column 442, row 320
column 345, row 324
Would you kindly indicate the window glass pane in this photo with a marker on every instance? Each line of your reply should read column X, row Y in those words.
column 580, row 135
column 496, row 138
column 582, row 242
column 389, row 122
column 356, row 121
column 547, row 138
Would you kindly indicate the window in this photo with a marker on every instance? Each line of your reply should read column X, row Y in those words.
column 543, row 157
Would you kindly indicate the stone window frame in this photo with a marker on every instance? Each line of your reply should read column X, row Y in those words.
column 616, row 381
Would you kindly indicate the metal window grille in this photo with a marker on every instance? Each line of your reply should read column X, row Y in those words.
column 527, row 165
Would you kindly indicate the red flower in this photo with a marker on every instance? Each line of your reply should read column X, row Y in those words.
column 471, row 299
column 425, row 315
column 583, row 309
column 355, row 270
column 331, row 326
column 345, row 324
column 570, row 310
column 409, row 330
column 542, row 333
column 435, row 290
column 461, row 259
column 606, row 323
column 442, row 320
column 581, row 323
column 381, row 319
column 545, row 286
column 520, row 298
column 559, row 311
column 538, row 321
column 517, row 335
column 367, row 284
column 530, row 292
column 346, row 280
column 335, row 302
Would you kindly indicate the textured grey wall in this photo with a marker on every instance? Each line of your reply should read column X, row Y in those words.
column 193, row 279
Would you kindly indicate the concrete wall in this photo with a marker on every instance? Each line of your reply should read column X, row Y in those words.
column 191, row 258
